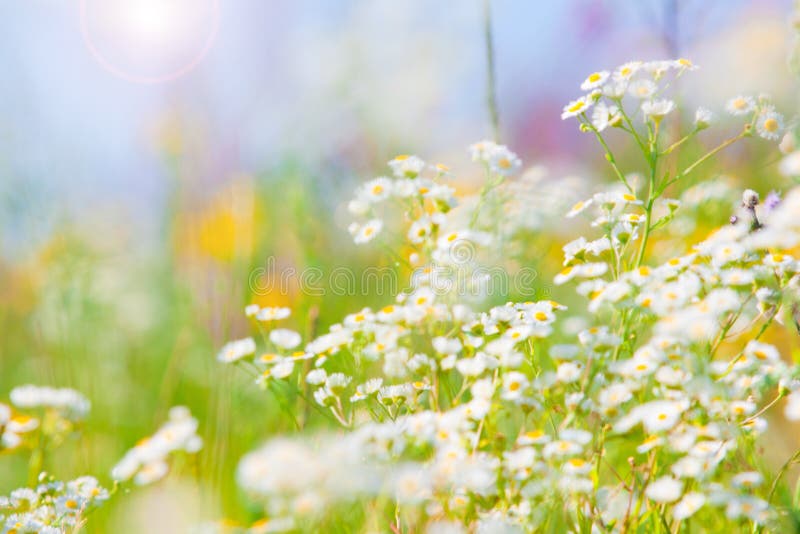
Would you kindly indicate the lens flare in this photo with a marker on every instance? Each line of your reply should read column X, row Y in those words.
column 149, row 41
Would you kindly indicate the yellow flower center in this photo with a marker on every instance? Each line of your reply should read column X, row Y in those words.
column 577, row 106
column 771, row 125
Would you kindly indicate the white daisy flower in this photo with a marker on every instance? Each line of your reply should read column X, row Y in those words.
column 703, row 118
column 236, row 350
column 664, row 490
column 605, row 115
column 405, row 166
column 643, row 89
column 576, row 107
column 514, row 385
column 626, row 71
column 316, row 377
column 747, row 480
column 684, row 64
column 504, row 162
column 285, row 338
column 792, row 409
column 481, row 150
column 740, row 105
column 583, row 204
column 569, row 372
column 273, row 313
column 376, row 190
column 595, row 80
column 689, row 505
column 366, row 232
column 769, row 124
column 657, row 109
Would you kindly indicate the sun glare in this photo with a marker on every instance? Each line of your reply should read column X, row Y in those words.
column 157, row 21
column 149, row 40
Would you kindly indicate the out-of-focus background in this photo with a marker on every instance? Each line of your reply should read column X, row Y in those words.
column 155, row 153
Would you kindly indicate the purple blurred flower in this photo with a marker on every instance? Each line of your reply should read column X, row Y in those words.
column 772, row 201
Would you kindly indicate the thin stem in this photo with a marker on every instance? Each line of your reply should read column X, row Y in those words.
column 760, row 412
column 651, row 197
column 793, row 459
column 721, row 146
column 679, row 142
column 633, row 131
column 491, row 94
column 609, row 155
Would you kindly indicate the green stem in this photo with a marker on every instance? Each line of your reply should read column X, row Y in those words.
column 784, row 468
column 679, row 142
column 491, row 94
column 761, row 412
column 609, row 155
column 651, row 198
column 721, row 146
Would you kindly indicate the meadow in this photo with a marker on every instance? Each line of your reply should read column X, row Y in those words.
column 424, row 346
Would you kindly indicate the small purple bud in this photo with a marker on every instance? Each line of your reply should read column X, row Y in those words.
column 772, row 201
column 734, row 219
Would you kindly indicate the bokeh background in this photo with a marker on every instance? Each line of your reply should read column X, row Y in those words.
column 154, row 153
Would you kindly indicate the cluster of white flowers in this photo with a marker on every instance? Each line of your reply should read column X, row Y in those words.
column 14, row 426
column 148, row 461
column 299, row 480
column 68, row 402
column 53, row 507
column 645, row 82
column 432, row 233
column 496, row 419
column 61, row 408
